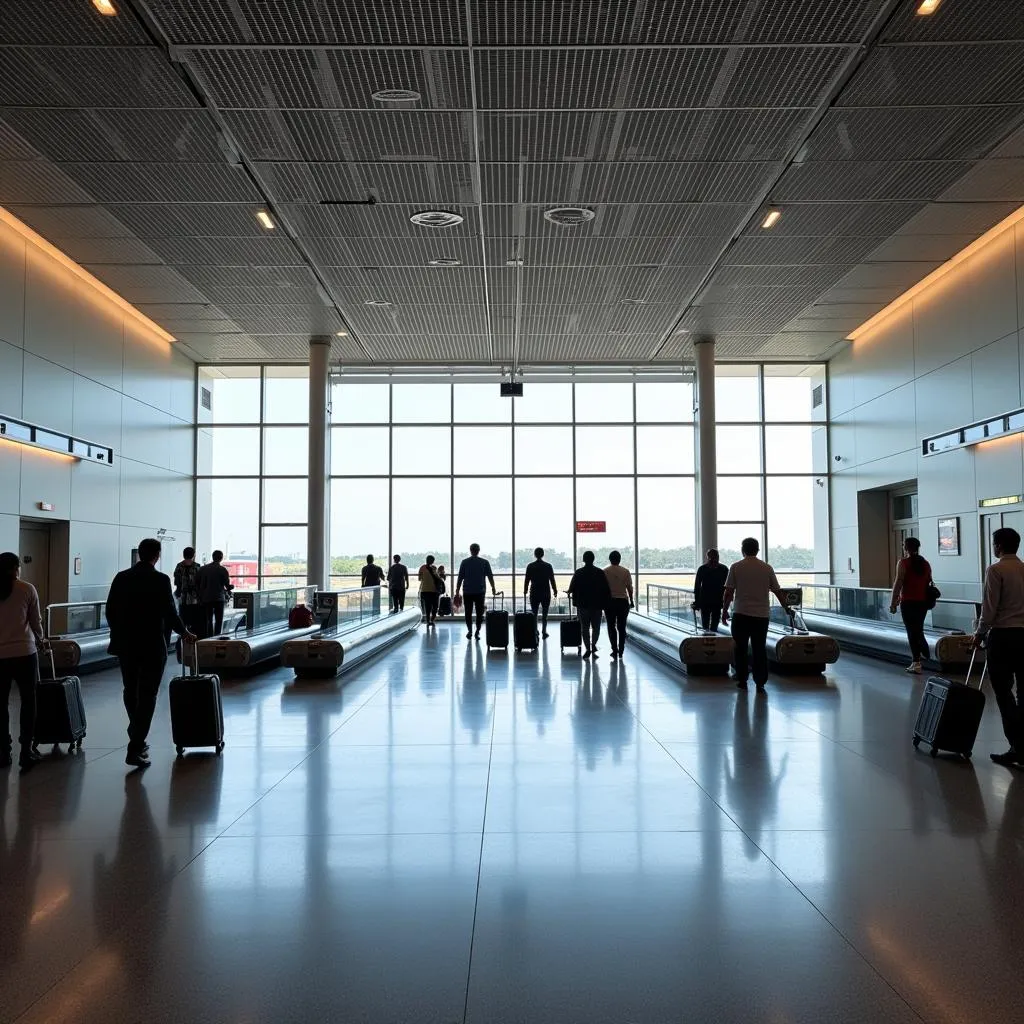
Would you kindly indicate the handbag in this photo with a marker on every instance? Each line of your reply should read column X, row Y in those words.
column 931, row 595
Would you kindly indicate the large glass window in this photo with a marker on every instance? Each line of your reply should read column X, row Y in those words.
column 428, row 465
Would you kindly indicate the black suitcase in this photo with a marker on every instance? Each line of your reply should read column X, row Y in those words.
column 496, row 625
column 197, row 714
column 950, row 714
column 570, row 634
column 444, row 605
column 524, row 631
column 60, row 712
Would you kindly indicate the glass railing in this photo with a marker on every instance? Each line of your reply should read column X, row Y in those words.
column 673, row 604
column 347, row 609
column 75, row 618
column 269, row 607
column 872, row 603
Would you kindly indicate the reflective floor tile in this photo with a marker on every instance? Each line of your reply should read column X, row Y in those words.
column 657, row 927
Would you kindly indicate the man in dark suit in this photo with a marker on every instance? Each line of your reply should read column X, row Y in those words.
column 214, row 587
column 141, row 615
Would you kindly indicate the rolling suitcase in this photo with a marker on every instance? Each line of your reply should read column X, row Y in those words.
column 950, row 713
column 524, row 631
column 496, row 625
column 60, row 712
column 444, row 606
column 197, row 714
column 570, row 634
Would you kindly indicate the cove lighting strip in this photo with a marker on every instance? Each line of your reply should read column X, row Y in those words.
column 83, row 275
column 936, row 275
column 974, row 433
column 32, row 436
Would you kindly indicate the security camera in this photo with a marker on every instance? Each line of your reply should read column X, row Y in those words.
column 838, row 458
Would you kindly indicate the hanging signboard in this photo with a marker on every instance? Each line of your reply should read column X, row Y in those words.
column 591, row 526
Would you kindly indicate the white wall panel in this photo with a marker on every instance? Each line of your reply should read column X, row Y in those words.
column 48, row 394
column 844, row 442
column 884, row 359
column 844, row 499
column 10, row 527
column 841, row 397
column 11, row 368
column 964, row 568
column 999, row 467
column 144, row 433
column 844, row 553
column 52, row 309
column 99, row 345
column 147, row 364
column 97, row 413
column 945, row 484
column 10, row 478
column 995, row 377
column 182, row 373
column 943, row 329
column 12, row 287
column 97, row 545
column 992, row 291
column 944, row 398
column 886, row 425
column 95, row 493
column 180, row 441
column 46, row 478
column 887, row 473
column 1019, row 231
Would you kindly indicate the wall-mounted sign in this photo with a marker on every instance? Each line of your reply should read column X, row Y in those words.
column 949, row 536
column 46, row 506
column 33, row 436
column 591, row 526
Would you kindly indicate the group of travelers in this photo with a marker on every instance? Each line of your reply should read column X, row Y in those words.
column 202, row 591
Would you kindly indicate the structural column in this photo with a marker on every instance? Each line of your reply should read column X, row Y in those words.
column 707, row 469
column 318, row 570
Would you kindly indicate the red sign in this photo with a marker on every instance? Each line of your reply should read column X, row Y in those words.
column 591, row 526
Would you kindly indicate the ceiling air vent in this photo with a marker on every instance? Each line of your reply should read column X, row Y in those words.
column 206, row 398
column 817, row 396
column 396, row 95
column 569, row 216
column 436, row 219
column 446, row 261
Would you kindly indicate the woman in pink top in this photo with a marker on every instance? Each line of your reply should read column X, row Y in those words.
column 21, row 634
column 910, row 595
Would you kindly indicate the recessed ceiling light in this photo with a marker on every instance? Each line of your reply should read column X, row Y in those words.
column 341, row 334
column 396, row 95
column 569, row 216
column 683, row 330
column 376, row 302
column 104, row 7
column 265, row 220
column 436, row 219
column 928, row 6
column 446, row 261
column 632, row 302
column 771, row 218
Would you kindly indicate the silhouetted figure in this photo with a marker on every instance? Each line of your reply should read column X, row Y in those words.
column 215, row 587
column 474, row 572
column 591, row 594
column 539, row 584
column 910, row 595
column 709, row 591
column 398, row 583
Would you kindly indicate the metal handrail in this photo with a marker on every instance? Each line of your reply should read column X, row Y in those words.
column 57, row 606
column 881, row 590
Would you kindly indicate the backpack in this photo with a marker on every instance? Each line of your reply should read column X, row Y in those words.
column 300, row 617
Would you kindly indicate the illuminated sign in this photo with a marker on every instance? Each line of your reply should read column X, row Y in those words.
column 591, row 526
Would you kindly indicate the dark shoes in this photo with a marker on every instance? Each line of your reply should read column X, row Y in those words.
column 1011, row 757
column 137, row 759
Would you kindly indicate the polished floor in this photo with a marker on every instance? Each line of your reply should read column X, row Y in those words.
column 462, row 836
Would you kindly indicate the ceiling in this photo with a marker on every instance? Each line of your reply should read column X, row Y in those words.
column 143, row 144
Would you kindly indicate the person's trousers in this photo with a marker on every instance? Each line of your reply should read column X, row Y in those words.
column 590, row 625
column 194, row 617
column 710, row 617
column 474, row 602
column 23, row 673
column 618, row 612
column 213, row 618
column 1005, row 656
column 750, row 634
column 540, row 605
column 141, row 675
column 914, row 614
column 429, row 600
column 397, row 599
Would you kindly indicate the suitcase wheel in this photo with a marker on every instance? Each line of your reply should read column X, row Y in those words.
column 180, row 751
column 519, row 650
column 917, row 742
column 967, row 755
column 934, row 751
column 220, row 749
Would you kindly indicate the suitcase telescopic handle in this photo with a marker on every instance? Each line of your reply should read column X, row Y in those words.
column 970, row 667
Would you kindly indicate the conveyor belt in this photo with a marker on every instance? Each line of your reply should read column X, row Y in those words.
column 681, row 644
column 328, row 654
column 798, row 651
column 247, row 648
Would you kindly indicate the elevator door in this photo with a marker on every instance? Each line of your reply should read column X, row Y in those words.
column 992, row 521
column 34, row 542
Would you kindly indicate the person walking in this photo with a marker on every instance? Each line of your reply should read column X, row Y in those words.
column 186, row 590
column 373, row 574
column 591, row 594
column 214, row 587
column 430, row 591
column 709, row 591
column 620, row 585
column 141, row 616
column 21, row 637
column 910, row 595
column 751, row 582
column 398, row 583
column 539, row 584
column 474, row 572
column 1002, row 622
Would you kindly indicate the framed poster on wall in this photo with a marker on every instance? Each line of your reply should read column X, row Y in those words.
column 949, row 535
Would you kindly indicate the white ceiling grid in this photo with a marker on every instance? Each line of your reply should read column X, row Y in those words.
column 143, row 144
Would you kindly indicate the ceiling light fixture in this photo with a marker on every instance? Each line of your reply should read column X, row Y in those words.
column 569, row 216
column 771, row 218
column 928, row 7
column 396, row 95
column 436, row 219
column 265, row 220
column 446, row 261
column 341, row 334
column 376, row 302
column 105, row 7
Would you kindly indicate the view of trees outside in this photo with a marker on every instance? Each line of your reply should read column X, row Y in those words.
column 427, row 467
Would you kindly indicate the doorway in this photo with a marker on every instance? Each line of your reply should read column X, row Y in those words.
column 902, row 520
column 1012, row 516
column 34, row 546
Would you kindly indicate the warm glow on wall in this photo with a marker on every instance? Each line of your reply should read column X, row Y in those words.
column 938, row 274
column 100, row 292
column 44, row 452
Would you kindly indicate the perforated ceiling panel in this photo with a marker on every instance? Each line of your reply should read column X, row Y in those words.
column 145, row 148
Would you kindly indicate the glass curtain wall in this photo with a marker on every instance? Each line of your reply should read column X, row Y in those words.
column 428, row 466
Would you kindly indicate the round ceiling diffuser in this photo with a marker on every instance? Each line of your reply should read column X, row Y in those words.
column 569, row 216
column 436, row 219
column 396, row 95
